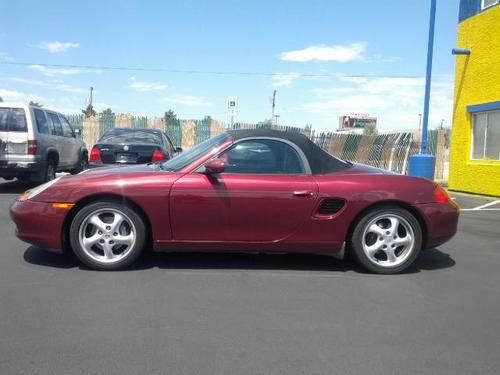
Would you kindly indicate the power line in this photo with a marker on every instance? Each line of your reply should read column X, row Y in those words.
column 183, row 71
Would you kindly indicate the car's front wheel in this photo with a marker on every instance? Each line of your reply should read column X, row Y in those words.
column 387, row 240
column 107, row 235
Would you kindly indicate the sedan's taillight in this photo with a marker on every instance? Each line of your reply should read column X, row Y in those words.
column 158, row 155
column 32, row 147
column 95, row 155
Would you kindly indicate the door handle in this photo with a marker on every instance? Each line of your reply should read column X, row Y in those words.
column 303, row 193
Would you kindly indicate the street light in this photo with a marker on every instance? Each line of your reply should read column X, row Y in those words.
column 422, row 164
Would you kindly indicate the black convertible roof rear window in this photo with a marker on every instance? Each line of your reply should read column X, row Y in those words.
column 320, row 161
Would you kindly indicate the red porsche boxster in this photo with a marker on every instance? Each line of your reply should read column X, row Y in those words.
column 244, row 190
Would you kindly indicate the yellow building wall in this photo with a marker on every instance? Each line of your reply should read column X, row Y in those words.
column 477, row 81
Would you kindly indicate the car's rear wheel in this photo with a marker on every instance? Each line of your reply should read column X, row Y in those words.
column 107, row 235
column 387, row 240
column 50, row 170
column 83, row 163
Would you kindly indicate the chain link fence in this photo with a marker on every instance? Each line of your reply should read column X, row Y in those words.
column 386, row 151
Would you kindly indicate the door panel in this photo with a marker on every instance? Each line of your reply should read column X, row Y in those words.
column 240, row 207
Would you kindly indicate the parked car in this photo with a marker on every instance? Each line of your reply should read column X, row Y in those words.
column 35, row 143
column 245, row 190
column 132, row 146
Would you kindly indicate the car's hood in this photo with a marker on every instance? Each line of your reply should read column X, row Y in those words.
column 113, row 180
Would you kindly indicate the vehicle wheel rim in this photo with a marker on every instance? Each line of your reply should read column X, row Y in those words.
column 107, row 235
column 388, row 240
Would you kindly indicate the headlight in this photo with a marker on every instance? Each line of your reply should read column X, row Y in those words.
column 28, row 194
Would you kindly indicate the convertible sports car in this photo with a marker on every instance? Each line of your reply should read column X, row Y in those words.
column 244, row 190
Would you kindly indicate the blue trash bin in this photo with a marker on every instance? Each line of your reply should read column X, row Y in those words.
column 422, row 165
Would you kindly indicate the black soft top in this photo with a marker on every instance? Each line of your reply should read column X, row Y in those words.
column 319, row 160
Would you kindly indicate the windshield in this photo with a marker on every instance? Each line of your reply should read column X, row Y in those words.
column 187, row 157
column 131, row 136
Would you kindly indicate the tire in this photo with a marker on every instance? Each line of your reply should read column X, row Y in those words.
column 386, row 240
column 50, row 170
column 101, row 242
column 83, row 164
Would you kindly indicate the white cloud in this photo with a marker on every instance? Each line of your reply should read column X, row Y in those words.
column 187, row 100
column 396, row 102
column 10, row 95
column 285, row 79
column 20, row 97
column 4, row 56
column 142, row 86
column 339, row 53
column 57, row 47
column 51, row 85
column 53, row 71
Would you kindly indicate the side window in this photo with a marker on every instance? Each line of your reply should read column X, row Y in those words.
column 262, row 157
column 486, row 135
column 41, row 121
column 66, row 127
column 56, row 124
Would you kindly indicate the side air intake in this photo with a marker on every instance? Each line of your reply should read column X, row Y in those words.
column 331, row 206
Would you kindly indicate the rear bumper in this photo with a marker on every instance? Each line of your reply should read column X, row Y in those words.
column 38, row 223
column 441, row 220
column 100, row 165
column 12, row 168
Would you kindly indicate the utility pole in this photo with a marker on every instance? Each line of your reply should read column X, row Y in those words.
column 422, row 164
column 91, row 89
column 273, row 106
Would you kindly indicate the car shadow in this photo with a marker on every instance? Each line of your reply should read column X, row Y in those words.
column 429, row 260
column 15, row 186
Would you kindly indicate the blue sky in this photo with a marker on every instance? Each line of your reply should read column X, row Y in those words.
column 368, row 57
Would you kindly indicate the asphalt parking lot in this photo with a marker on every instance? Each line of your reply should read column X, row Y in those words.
column 254, row 314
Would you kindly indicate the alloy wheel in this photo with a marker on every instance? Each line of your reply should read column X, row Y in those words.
column 107, row 235
column 388, row 240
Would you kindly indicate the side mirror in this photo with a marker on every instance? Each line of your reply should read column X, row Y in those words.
column 178, row 150
column 214, row 166
column 77, row 131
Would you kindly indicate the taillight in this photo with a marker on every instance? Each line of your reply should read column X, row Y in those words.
column 158, row 155
column 440, row 195
column 95, row 154
column 32, row 147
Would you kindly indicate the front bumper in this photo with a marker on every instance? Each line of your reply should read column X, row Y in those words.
column 38, row 223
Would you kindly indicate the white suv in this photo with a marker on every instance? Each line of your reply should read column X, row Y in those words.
column 35, row 143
